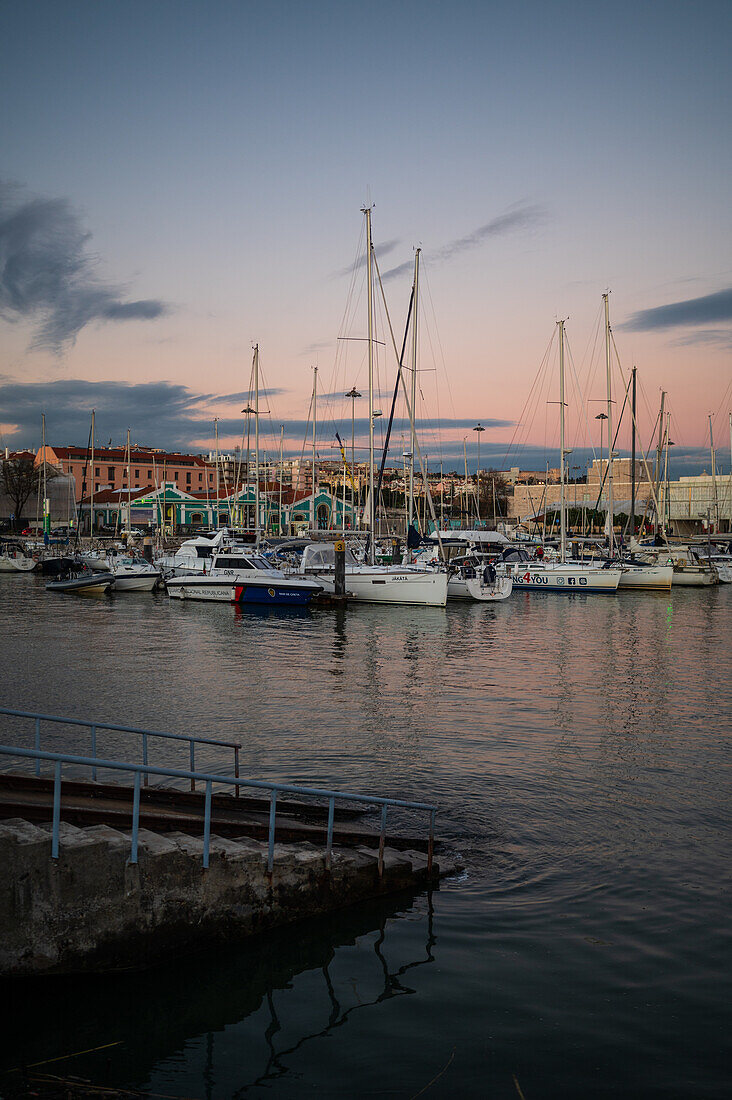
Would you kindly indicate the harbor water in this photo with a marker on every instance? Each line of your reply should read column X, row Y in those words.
column 579, row 750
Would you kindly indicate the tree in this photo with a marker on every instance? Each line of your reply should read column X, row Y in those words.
column 20, row 480
column 493, row 481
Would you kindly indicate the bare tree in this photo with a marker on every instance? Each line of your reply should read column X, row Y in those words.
column 20, row 480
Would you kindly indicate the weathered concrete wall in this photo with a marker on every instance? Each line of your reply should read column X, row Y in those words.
column 92, row 909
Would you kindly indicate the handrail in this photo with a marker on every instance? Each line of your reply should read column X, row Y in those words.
column 209, row 779
column 94, row 726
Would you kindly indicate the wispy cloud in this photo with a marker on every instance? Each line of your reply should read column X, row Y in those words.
column 47, row 273
column 710, row 337
column 518, row 217
column 711, row 309
column 382, row 249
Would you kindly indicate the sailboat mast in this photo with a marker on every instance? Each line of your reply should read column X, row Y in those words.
column 370, row 306
column 46, row 509
column 279, row 522
column 256, row 444
column 313, row 508
column 714, row 474
column 562, row 511
column 659, row 450
column 413, row 445
column 632, row 463
column 129, row 486
column 608, row 369
column 91, row 488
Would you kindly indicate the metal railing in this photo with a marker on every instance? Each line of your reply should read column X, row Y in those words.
column 139, row 770
column 94, row 726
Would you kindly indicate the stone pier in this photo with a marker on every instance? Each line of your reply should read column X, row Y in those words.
column 92, row 910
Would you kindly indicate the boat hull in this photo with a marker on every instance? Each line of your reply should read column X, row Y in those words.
column 270, row 592
column 94, row 585
column 694, row 576
column 136, row 582
column 473, row 589
column 647, row 577
column 399, row 587
column 565, row 578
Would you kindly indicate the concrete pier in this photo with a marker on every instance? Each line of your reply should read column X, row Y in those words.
column 91, row 909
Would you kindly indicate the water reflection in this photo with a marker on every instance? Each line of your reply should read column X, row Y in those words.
column 261, row 997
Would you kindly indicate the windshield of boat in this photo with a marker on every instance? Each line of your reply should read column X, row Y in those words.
column 322, row 556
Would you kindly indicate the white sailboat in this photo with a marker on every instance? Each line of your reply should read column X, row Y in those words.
column 397, row 584
column 565, row 576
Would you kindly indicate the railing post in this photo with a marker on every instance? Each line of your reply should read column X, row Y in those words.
column 236, row 770
column 382, row 839
column 193, row 762
column 56, row 809
column 272, row 816
column 207, row 825
column 329, row 842
column 94, row 750
column 146, row 778
column 431, row 842
column 38, row 745
column 135, row 818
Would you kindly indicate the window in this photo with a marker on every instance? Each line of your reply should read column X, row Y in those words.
column 149, row 474
column 137, row 473
column 188, row 477
column 233, row 563
column 96, row 471
column 200, row 477
column 110, row 473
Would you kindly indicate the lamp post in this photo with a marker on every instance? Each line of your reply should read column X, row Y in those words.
column 353, row 394
column 478, row 428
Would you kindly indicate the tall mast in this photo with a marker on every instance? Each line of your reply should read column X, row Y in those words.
column 714, row 475
column 632, row 464
column 413, row 445
column 46, row 508
column 91, row 506
column 465, row 462
column 666, row 506
column 256, row 444
column 659, row 450
column 370, row 305
column 279, row 522
column 608, row 368
column 129, row 486
column 562, row 511
column 313, row 509
column 218, row 475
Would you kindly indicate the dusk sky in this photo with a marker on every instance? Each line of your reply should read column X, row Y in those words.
column 181, row 179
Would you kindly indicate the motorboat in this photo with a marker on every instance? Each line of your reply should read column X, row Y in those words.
column 194, row 557
column 239, row 575
column 690, row 569
column 133, row 574
column 82, row 583
column 399, row 584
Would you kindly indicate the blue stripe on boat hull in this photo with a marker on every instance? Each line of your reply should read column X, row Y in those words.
column 250, row 593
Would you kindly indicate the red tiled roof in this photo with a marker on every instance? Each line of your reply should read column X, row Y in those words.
column 119, row 454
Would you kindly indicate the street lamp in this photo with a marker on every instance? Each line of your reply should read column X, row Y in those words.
column 478, row 428
column 353, row 394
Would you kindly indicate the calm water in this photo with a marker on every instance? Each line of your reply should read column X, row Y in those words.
column 579, row 749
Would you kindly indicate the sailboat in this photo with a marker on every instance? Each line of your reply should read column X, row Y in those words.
column 565, row 576
column 397, row 584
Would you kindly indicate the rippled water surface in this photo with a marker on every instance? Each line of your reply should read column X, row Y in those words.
column 579, row 750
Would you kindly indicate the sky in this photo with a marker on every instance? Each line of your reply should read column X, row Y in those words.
column 182, row 180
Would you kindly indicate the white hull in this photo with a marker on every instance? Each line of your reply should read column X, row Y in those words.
column 373, row 584
column 217, row 592
column 472, row 588
column 550, row 577
column 647, row 577
column 20, row 564
column 141, row 582
column 694, row 576
column 724, row 569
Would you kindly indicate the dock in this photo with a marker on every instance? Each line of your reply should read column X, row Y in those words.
column 103, row 875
